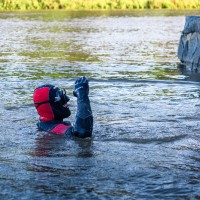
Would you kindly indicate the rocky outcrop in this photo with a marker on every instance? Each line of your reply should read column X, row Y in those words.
column 189, row 44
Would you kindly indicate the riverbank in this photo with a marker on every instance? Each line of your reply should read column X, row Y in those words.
column 12, row 5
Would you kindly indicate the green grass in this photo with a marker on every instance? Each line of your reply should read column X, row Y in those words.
column 97, row 4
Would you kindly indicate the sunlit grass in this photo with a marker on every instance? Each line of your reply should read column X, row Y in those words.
column 97, row 4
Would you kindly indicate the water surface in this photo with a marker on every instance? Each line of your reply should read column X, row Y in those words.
column 146, row 110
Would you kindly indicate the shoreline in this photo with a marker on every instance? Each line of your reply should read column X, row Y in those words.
column 98, row 5
column 103, row 10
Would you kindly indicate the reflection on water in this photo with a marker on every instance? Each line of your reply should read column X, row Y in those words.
column 146, row 109
column 114, row 47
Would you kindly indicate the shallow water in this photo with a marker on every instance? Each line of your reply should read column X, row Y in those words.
column 146, row 132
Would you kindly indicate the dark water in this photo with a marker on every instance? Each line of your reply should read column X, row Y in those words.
column 146, row 142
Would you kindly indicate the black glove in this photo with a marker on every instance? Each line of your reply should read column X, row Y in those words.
column 83, row 124
column 81, row 87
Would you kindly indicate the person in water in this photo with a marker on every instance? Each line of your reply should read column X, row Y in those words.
column 51, row 104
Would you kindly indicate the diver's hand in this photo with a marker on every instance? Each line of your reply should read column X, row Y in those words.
column 81, row 87
column 83, row 124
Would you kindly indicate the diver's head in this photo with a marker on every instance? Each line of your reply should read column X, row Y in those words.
column 51, row 103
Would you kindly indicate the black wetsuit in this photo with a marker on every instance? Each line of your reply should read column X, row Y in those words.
column 83, row 124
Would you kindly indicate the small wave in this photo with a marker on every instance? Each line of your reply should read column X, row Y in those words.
column 148, row 140
column 18, row 107
column 142, row 81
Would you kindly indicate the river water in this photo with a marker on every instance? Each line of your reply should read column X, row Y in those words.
column 146, row 110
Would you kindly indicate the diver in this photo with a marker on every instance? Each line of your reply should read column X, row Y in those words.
column 52, row 106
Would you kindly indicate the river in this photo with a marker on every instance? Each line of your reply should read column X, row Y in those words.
column 145, row 143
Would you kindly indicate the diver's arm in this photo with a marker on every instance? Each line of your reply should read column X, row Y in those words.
column 83, row 124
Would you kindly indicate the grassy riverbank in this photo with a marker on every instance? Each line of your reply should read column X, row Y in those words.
column 97, row 4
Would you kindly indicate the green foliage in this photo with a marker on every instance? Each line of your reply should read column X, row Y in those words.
column 97, row 4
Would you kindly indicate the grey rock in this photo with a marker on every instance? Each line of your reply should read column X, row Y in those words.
column 189, row 44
